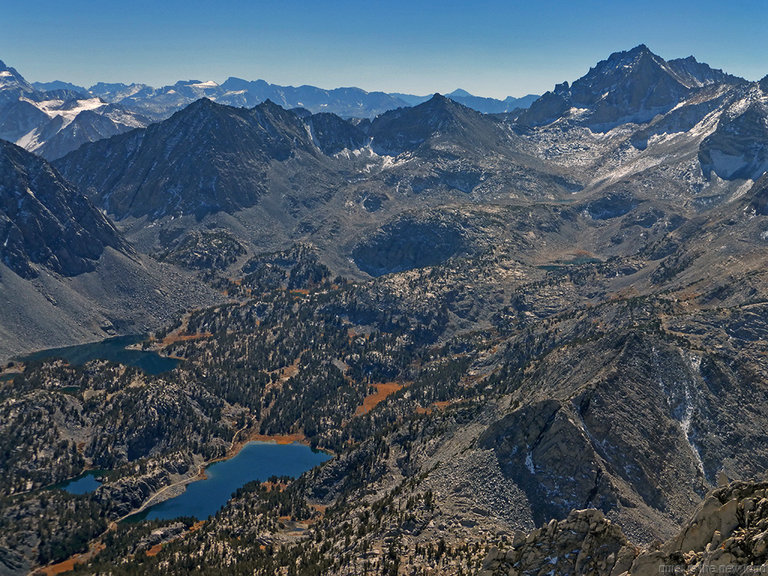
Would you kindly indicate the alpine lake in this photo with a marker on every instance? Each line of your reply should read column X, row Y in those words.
column 202, row 498
column 256, row 461
column 113, row 349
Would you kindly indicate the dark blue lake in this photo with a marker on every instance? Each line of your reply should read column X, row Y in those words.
column 83, row 484
column 114, row 350
column 256, row 461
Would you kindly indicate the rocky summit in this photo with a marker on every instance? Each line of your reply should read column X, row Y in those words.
column 727, row 534
column 531, row 341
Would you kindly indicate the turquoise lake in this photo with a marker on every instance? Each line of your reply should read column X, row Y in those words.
column 114, row 350
column 256, row 461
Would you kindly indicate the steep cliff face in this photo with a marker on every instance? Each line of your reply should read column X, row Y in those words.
column 46, row 221
column 738, row 148
column 67, row 275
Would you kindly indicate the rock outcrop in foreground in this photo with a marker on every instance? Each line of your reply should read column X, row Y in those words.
column 728, row 534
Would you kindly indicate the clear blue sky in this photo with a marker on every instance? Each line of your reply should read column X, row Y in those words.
column 489, row 47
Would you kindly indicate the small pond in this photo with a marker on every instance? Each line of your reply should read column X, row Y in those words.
column 83, row 484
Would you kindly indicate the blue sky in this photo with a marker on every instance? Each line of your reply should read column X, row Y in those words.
column 489, row 47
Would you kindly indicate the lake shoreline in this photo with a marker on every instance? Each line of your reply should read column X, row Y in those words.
column 125, row 350
column 132, row 345
column 179, row 487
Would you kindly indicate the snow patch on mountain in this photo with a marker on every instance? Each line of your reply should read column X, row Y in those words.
column 66, row 109
column 207, row 84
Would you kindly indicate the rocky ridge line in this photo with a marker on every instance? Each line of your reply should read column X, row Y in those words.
column 728, row 533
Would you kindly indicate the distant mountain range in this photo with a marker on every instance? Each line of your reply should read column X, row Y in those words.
column 346, row 102
column 352, row 186
column 53, row 118
column 52, row 123
column 210, row 157
column 365, row 191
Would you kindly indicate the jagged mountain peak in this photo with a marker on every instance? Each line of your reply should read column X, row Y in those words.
column 623, row 61
column 206, row 158
column 437, row 103
column 437, row 97
column 276, row 116
column 5, row 67
column 203, row 103
column 204, row 117
column 638, row 65
column 688, row 71
column 206, row 114
column 629, row 86
column 631, row 55
column 12, row 84
column 406, row 129
column 268, row 104
column 696, row 74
